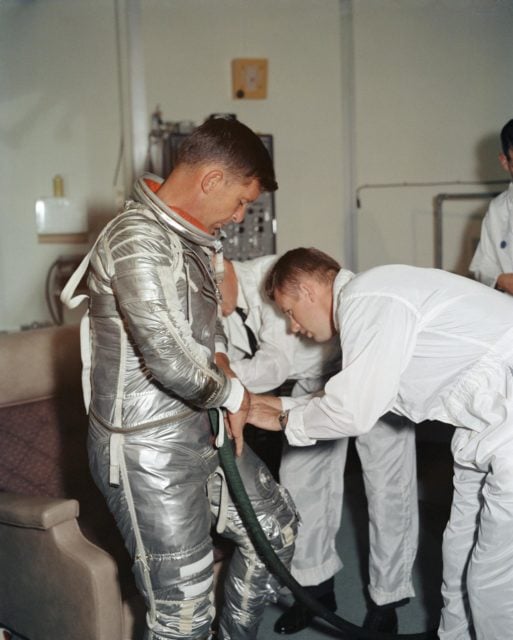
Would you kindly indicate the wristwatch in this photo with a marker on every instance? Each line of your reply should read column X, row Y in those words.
column 283, row 418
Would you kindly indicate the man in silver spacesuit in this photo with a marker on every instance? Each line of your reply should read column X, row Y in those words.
column 153, row 323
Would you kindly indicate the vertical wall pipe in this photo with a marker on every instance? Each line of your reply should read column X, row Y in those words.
column 349, row 213
column 132, row 90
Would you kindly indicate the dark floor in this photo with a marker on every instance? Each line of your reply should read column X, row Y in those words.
column 435, row 492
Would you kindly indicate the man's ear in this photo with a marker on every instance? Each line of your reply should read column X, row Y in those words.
column 211, row 180
column 307, row 290
column 504, row 162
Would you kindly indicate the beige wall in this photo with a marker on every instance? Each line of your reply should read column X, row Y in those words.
column 188, row 52
column 433, row 87
column 62, row 115
column 59, row 114
column 421, row 98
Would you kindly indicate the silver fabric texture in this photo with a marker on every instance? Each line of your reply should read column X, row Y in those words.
column 154, row 321
column 153, row 324
column 172, row 481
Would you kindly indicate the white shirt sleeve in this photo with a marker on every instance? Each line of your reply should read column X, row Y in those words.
column 485, row 264
column 272, row 363
column 221, row 348
column 295, row 431
column 378, row 338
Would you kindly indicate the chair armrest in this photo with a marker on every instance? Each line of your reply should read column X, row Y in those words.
column 54, row 582
column 35, row 512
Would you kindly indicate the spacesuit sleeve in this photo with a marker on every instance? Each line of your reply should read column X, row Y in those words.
column 272, row 363
column 378, row 337
column 485, row 264
column 150, row 286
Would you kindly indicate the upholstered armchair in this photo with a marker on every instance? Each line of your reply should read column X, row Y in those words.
column 64, row 572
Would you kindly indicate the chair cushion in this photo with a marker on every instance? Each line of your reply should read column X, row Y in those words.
column 44, row 453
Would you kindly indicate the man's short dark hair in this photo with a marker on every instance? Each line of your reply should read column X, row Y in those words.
column 507, row 137
column 232, row 144
column 288, row 270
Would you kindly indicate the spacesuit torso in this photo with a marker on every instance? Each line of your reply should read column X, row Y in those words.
column 134, row 337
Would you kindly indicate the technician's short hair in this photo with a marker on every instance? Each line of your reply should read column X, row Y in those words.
column 288, row 270
column 507, row 137
column 232, row 144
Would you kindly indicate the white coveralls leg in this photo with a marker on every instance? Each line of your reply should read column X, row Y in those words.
column 478, row 570
column 388, row 458
column 389, row 464
column 314, row 477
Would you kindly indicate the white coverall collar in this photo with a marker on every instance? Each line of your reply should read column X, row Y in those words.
column 343, row 278
column 243, row 275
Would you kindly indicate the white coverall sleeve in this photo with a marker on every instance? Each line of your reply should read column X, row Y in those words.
column 377, row 339
column 485, row 264
column 272, row 363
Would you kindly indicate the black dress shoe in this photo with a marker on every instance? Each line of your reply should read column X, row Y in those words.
column 381, row 619
column 295, row 619
column 299, row 616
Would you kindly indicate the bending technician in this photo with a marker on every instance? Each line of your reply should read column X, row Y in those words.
column 428, row 345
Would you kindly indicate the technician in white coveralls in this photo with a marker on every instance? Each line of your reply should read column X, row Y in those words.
column 492, row 263
column 428, row 345
column 390, row 486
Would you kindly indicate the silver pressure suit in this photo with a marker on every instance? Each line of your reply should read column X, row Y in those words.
column 153, row 320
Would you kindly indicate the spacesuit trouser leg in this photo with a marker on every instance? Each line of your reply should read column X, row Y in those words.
column 155, row 486
column 389, row 464
column 478, row 540
column 249, row 586
column 314, row 477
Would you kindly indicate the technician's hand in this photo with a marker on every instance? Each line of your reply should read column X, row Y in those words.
column 505, row 283
column 264, row 412
column 236, row 422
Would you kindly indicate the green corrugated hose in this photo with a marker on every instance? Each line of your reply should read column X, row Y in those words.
column 240, row 498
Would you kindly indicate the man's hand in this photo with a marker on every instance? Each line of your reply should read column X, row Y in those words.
column 505, row 283
column 264, row 412
column 236, row 422
column 223, row 362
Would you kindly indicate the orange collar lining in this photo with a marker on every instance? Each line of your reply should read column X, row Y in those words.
column 155, row 186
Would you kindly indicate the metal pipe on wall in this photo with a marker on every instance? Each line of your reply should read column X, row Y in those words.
column 438, row 219
column 397, row 185
column 439, row 199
